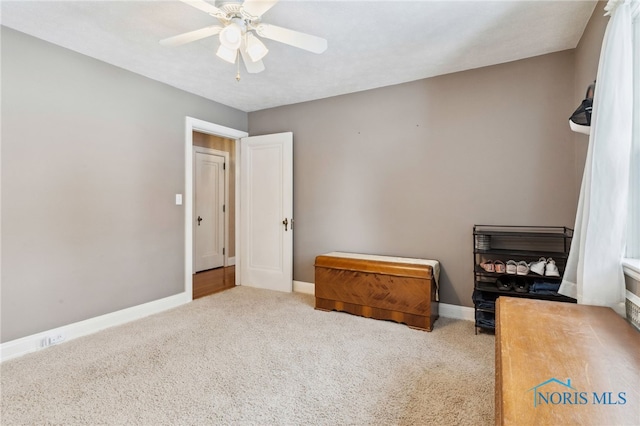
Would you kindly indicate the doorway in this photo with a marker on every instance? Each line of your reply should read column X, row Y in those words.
column 195, row 131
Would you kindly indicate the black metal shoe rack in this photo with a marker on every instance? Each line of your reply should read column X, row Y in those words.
column 518, row 243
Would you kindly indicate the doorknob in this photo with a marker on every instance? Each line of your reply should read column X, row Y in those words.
column 199, row 220
column 285, row 222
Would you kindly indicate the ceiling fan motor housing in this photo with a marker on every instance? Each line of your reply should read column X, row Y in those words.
column 234, row 9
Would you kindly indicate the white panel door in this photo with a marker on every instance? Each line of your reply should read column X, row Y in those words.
column 266, row 234
column 208, row 213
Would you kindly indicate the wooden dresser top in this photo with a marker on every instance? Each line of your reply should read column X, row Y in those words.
column 562, row 363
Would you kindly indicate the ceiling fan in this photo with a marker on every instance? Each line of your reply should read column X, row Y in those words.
column 240, row 23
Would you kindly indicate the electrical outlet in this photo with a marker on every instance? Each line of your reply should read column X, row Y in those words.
column 57, row 338
column 53, row 339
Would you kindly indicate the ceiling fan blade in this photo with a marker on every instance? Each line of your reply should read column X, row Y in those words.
column 256, row 8
column 205, row 7
column 293, row 38
column 252, row 67
column 191, row 36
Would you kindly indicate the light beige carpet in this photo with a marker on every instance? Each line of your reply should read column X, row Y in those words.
column 248, row 356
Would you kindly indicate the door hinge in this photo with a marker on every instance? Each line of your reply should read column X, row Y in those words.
column 224, row 208
column 224, row 166
column 223, row 251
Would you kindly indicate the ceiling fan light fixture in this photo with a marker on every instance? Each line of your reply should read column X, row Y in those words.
column 255, row 48
column 231, row 36
column 227, row 54
column 240, row 30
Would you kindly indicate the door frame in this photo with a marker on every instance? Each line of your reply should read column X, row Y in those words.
column 225, row 155
column 202, row 126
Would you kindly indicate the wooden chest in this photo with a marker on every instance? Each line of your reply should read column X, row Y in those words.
column 390, row 288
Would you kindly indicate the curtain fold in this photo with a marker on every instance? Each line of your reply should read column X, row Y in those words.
column 593, row 273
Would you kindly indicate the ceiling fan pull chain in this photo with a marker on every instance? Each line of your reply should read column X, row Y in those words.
column 238, row 74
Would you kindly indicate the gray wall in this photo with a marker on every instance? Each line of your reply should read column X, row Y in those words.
column 407, row 170
column 92, row 157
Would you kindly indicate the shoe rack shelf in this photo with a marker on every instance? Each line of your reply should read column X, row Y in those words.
column 524, row 244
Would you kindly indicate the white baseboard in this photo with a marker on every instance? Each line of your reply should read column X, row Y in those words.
column 231, row 261
column 456, row 312
column 303, row 287
column 444, row 309
column 25, row 345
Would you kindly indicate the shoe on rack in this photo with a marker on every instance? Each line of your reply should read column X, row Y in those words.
column 522, row 286
column 505, row 284
column 539, row 266
column 512, row 267
column 522, row 268
column 551, row 270
column 499, row 267
column 488, row 265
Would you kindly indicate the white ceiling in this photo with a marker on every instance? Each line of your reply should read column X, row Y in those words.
column 371, row 43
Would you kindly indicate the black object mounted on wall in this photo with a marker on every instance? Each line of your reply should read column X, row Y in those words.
column 580, row 120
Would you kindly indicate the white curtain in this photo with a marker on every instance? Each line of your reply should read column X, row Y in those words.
column 593, row 273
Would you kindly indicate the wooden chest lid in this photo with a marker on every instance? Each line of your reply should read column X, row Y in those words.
column 388, row 265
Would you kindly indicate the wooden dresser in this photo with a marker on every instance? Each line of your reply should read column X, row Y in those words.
column 390, row 288
column 561, row 364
